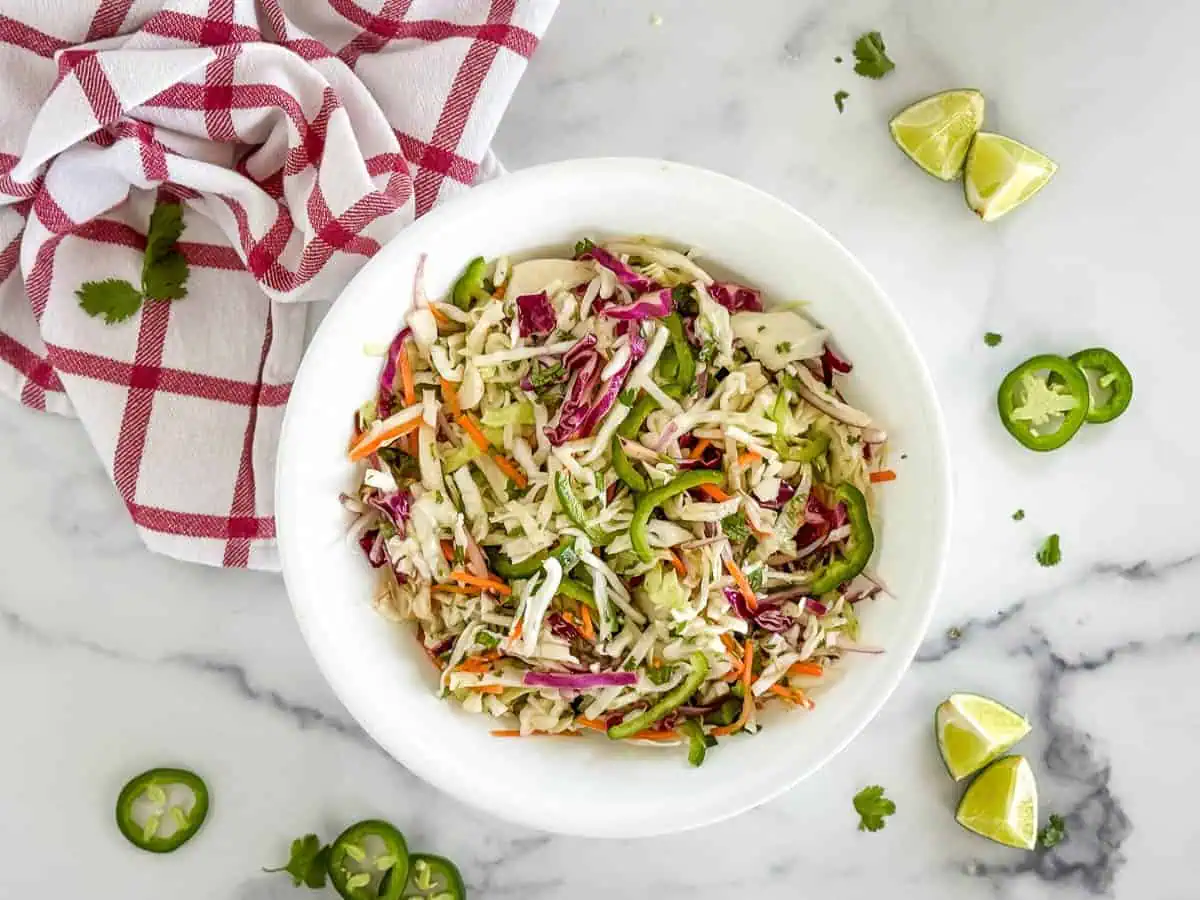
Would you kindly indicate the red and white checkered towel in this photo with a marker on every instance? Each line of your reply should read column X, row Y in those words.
column 300, row 135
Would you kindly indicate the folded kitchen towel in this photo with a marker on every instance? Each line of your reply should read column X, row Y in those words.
column 299, row 136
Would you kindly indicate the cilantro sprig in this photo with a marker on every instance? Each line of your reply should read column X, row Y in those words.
column 870, row 54
column 872, row 808
column 308, row 862
column 164, row 272
column 1054, row 833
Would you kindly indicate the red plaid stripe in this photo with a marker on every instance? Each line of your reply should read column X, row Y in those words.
column 285, row 243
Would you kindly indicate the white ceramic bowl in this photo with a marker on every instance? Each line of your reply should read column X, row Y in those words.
column 591, row 786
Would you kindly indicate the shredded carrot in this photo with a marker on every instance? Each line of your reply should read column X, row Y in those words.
column 698, row 450
column 488, row 584
column 589, row 630
column 441, row 317
column 743, row 584
column 451, row 395
column 509, row 468
column 748, row 458
column 486, row 688
column 792, row 695
column 472, row 665
column 678, row 563
column 715, row 492
column 448, row 550
column 731, row 645
column 476, row 433
column 806, row 668
column 372, row 441
column 458, row 588
column 594, row 724
column 649, row 735
column 748, row 699
column 515, row 634
column 516, row 732
column 882, row 475
column 406, row 377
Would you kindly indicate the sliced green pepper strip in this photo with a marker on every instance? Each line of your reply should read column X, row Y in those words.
column 633, row 423
column 1027, row 400
column 153, row 785
column 433, row 878
column 564, row 552
column 1114, row 377
column 685, row 372
column 698, row 741
column 671, row 701
column 651, row 500
column 625, row 468
column 352, row 870
column 580, row 593
column 574, row 509
column 469, row 289
column 813, row 448
column 861, row 543
column 725, row 714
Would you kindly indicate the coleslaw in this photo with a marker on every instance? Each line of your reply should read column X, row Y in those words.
column 617, row 494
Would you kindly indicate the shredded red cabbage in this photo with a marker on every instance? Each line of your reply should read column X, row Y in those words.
column 625, row 274
column 580, row 682
column 736, row 297
column 767, row 616
column 561, row 628
column 612, row 390
column 652, row 305
column 830, row 363
column 371, row 542
column 786, row 492
column 535, row 314
column 387, row 378
column 395, row 507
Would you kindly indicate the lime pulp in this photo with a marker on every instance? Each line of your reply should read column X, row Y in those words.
column 1001, row 174
column 1001, row 804
column 936, row 132
column 972, row 731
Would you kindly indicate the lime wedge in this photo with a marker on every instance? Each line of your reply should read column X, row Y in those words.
column 1001, row 804
column 1002, row 174
column 936, row 132
column 972, row 731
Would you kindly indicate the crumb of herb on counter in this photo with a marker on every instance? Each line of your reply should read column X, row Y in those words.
column 954, row 634
column 992, row 339
column 840, row 99
column 872, row 808
column 1050, row 554
column 1018, row 515
column 656, row 19
column 1054, row 833
column 838, row 60
column 871, row 56
column 307, row 863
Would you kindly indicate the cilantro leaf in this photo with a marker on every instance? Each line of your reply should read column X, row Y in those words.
column 582, row 246
column 735, row 527
column 659, row 674
column 756, row 577
column 1050, row 554
column 166, row 225
column 114, row 298
column 840, row 99
column 1018, row 515
column 992, row 339
column 166, row 277
column 872, row 807
column 871, row 56
column 1054, row 833
column 164, row 268
column 308, row 862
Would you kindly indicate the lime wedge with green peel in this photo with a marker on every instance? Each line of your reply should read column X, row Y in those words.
column 1001, row 174
column 1001, row 804
column 972, row 731
column 936, row 132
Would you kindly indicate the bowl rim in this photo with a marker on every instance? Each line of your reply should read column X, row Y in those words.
column 901, row 654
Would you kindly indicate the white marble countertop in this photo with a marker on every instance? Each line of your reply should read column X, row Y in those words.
column 112, row 660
